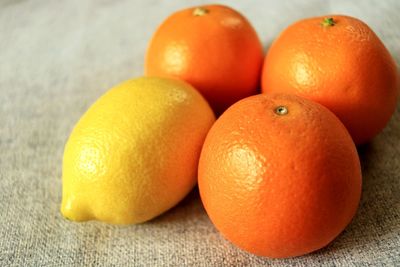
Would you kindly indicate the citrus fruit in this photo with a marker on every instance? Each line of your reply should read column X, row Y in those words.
column 134, row 153
column 212, row 47
column 339, row 62
column 279, row 176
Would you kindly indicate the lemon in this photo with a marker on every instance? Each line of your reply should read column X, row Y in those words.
column 134, row 153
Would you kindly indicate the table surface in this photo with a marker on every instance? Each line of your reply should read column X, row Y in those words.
column 58, row 57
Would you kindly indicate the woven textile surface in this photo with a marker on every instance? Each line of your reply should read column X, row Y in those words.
column 58, row 57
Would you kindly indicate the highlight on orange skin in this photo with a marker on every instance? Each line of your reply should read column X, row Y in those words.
column 279, row 176
column 339, row 62
column 214, row 48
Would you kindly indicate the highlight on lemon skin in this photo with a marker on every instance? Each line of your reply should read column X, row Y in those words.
column 133, row 155
column 74, row 212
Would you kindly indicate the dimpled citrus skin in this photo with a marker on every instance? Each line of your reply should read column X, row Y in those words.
column 214, row 48
column 279, row 185
column 134, row 153
column 344, row 67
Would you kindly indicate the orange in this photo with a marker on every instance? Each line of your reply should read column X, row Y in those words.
column 212, row 47
column 279, row 175
column 339, row 62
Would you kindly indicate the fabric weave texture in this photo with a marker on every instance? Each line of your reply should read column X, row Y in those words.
column 58, row 57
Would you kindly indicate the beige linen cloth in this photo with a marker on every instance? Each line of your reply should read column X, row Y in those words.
column 58, row 57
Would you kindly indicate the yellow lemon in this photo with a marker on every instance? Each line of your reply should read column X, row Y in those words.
column 134, row 153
